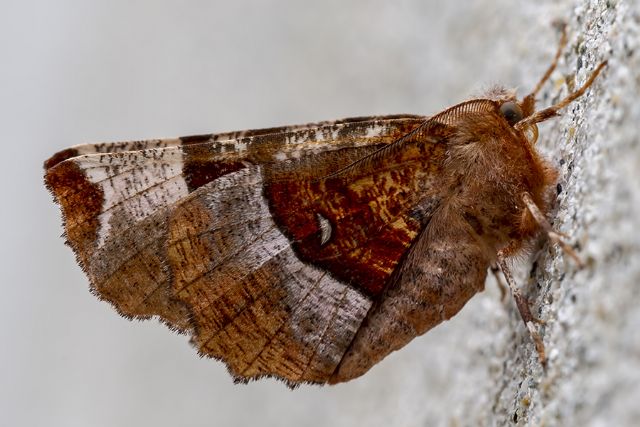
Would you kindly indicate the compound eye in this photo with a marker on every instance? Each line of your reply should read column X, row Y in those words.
column 511, row 112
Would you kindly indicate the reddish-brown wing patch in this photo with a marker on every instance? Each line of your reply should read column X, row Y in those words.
column 357, row 227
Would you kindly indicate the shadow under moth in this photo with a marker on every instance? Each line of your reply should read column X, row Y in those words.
column 311, row 252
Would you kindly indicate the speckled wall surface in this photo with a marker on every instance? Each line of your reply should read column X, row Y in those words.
column 78, row 72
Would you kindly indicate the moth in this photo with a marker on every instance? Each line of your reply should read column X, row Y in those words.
column 309, row 253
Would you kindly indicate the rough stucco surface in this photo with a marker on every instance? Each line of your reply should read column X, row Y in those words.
column 593, row 377
column 90, row 71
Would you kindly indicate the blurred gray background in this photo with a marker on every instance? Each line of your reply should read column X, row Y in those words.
column 89, row 71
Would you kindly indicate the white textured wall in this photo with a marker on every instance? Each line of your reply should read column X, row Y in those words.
column 83, row 71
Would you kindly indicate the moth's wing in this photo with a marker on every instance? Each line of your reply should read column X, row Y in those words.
column 385, row 225
column 254, row 245
column 442, row 270
column 183, row 231
column 340, row 126
column 365, row 232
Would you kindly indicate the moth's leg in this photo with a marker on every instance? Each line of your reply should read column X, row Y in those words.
column 529, row 101
column 549, row 112
column 555, row 236
column 561, row 45
column 496, row 274
column 523, row 308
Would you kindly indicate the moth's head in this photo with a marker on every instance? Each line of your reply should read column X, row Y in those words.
column 522, row 114
column 515, row 110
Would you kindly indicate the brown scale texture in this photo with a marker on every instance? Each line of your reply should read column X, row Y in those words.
column 308, row 252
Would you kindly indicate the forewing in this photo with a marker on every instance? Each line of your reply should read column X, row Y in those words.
column 183, row 229
column 269, row 247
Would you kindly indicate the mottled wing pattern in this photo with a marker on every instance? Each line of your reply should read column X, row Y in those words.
column 181, row 229
column 252, row 243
